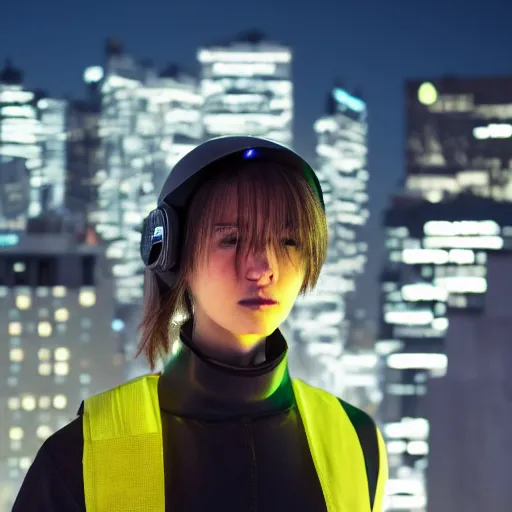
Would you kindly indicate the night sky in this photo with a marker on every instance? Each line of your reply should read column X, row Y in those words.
column 374, row 44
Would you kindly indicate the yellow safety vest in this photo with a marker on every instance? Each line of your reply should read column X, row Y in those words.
column 123, row 464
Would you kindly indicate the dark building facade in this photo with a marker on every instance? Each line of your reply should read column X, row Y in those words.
column 459, row 137
column 436, row 263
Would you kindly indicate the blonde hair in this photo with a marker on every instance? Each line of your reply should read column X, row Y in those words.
column 272, row 198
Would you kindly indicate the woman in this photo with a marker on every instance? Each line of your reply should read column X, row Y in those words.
column 239, row 233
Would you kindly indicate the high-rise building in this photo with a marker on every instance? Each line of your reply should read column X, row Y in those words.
column 33, row 128
column 53, row 140
column 459, row 133
column 247, row 88
column 469, row 408
column 20, row 130
column 343, row 173
column 84, row 149
column 57, row 345
column 436, row 262
column 14, row 194
column 148, row 121
column 318, row 323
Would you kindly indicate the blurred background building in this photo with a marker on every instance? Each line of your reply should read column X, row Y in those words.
column 247, row 88
column 33, row 128
column 469, row 408
column 58, row 347
column 148, row 120
column 84, row 148
column 325, row 351
column 458, row 137
column 455, row 211
column 77, row 177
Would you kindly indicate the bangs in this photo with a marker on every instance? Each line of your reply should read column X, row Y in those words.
column 274, row 203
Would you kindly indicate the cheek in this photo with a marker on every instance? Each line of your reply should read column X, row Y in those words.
column 218, row 277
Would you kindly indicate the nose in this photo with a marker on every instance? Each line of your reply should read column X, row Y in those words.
column 260, row 267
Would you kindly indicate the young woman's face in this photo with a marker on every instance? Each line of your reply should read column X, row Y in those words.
column 217, row 290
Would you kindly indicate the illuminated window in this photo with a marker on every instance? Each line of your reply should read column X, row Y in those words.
column 28, row 402
column 85, row 323
column 15, row 328
column 13, row 403
column 14, row 314
column 15, row 433
column 62, row 354
column 42, row 292
column 61, row 369
column 87, row 298
column 44, row 402
column 19, row 267
column 85, row 379
column 15, row 447
column 59, row 291
column 44, row 329
column 44, row 432
column 23, row 301
column 60, row 402
column 25, row 463
column 16, row 355
column 61, row 315
column 45, row 369
column 44, row 354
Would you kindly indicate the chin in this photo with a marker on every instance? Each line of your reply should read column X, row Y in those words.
column 260, row 329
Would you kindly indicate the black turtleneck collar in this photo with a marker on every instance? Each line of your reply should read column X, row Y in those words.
column 196, row 386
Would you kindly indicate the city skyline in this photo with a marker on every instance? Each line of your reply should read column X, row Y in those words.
column 357, row 42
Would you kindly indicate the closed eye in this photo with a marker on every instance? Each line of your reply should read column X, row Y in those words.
column 230, row 240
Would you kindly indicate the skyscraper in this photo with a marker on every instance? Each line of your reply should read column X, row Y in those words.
column 33, row 128
column 438, row 235
column 84, row 148
column 20, row 130
column 14, row 194
column 53, row 119
column 469, row 408
column 247, row 88
column 459, row 133
column 436, row 263
column 343, row 173
column 57, row 345
column 148, row 120
column 318, row 323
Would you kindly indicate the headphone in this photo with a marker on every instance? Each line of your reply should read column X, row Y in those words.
column 162, row 228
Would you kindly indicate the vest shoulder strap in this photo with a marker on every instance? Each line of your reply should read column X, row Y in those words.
column 368, row 438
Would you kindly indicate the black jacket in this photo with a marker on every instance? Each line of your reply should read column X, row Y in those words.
column 233, row 441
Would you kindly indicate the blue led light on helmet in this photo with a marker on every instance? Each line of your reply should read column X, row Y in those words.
column 250, row 153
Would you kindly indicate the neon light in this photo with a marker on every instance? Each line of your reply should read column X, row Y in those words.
column 349, row 101
column 9, row 240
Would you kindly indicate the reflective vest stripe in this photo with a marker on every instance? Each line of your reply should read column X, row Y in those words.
column 123, row 449
column 123, row 462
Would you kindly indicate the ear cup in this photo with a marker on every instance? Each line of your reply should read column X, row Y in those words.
column 159, row 239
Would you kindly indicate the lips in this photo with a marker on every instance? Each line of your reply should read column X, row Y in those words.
column 258, row 302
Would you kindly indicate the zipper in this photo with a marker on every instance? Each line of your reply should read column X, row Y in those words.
column 246, row 421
